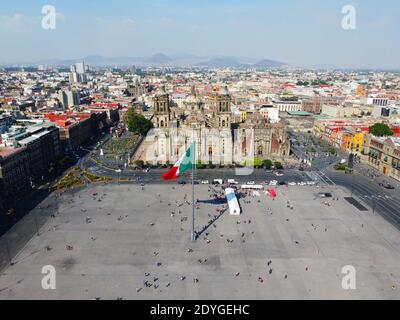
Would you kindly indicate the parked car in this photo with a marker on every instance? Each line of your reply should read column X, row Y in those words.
column 232, row 181
column 204, row 182
column 273, row 183
column 251, row 183
column 292, row 183
column 182, row 182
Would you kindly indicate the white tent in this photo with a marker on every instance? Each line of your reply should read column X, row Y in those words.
column 233, row 203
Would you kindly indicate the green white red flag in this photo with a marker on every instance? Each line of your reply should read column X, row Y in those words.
column 185, row 163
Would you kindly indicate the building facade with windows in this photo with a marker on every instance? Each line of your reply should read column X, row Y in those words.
column 383, row 154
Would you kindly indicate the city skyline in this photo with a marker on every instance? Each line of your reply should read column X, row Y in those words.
column 300, row 34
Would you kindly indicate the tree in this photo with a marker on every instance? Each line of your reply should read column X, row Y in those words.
column 136, row 122
column 278, row 165
column 211, row 165
column 381, row 130
column 139, row 163
column 258, row 163
column 267, row 164
column 199, row 165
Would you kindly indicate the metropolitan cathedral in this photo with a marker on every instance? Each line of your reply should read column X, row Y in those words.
column 220, row 137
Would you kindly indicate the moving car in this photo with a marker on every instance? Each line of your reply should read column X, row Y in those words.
column 204, row 182
column 218, row 181
column 388, row 186
column 273, row 183
column 325, row 195
column 232, row 181
column 292, row 183
column 251, row 183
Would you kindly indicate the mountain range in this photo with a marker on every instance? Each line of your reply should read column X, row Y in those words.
column 160, row 59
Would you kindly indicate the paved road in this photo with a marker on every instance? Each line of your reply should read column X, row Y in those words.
column 154, row 175
column 320, row 160
column 383, row 201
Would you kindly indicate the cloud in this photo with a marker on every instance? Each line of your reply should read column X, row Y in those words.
column 198, row 27
column 12, row 22
column 167, row 22
column 60, row 17
column 118, row 25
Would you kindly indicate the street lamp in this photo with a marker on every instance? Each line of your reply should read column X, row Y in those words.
column 119, row 172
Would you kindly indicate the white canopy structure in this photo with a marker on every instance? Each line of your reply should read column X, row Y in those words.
column 233, row 203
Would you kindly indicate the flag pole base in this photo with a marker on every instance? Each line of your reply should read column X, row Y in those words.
column 193, row 236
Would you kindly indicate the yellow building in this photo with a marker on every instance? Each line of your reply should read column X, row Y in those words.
column 243, row 115
column 355, row 142
column 360, row 91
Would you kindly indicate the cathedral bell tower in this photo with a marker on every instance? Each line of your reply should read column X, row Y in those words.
column 162, row 112
column 223, row 105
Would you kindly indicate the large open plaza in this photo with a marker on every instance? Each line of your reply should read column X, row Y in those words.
column 132, row 242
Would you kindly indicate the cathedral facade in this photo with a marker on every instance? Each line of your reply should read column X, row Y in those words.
column 219, row 140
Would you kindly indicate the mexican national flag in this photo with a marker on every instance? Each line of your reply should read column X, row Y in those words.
column 185, row 163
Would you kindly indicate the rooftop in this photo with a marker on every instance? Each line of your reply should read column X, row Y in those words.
column 299, row 113
column 7, row 151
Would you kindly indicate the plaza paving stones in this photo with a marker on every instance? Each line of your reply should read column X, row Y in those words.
column 135, row 244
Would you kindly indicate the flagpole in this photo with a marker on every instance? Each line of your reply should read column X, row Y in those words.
column 193, row 164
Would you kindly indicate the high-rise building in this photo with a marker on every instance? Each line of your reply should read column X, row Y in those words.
column 69, row 98
column 78, row 73
column 80, row 67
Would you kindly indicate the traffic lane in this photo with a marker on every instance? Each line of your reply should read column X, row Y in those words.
column 363, row 180
column 376, row 176
column 154, row 175
column 369, row 195
column 370, row 182
column 384, row 207
column 373, row 194
column 388, row 207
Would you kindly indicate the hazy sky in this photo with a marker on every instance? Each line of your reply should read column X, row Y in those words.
column 299, row 32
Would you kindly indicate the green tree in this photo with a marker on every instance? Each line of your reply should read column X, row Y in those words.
column 381, row 130
column 258, row 163
column 278, row 165
column 267, row 164
column 136, row 122
column 199, row 165
column 139, row 163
